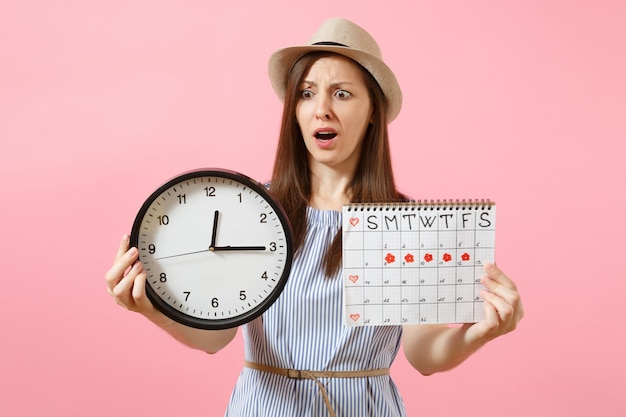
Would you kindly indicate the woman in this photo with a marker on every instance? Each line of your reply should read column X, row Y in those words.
column 333, row 149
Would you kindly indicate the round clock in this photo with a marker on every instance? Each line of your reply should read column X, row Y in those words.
column 216, row 248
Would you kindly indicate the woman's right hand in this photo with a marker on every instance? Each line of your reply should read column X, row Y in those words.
column 126, row 281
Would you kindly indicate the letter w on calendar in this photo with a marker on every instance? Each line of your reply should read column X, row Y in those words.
column 416, row 263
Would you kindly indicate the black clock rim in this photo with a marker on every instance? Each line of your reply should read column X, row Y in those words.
column 218, row 324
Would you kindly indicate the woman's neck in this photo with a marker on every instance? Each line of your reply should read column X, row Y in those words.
column 329, row 188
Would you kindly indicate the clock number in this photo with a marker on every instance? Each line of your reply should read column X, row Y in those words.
column 273, row 246
column 210, row 191
column 240, row 198
column 186, row 294
column 215, row 303
column 163, row 220
column 182, row 198
column 263, row 218
column 151, row 249
column 163, row 277
column 264, row 276
column 242, row 295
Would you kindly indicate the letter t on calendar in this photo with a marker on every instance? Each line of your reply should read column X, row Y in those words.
column 416, row 262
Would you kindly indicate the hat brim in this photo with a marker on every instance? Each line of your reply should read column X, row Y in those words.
column 281, row 62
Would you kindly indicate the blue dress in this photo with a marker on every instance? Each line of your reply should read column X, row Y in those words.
column 304, row 330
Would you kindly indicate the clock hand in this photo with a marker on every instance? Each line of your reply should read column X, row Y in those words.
column 215, row 249
column 237, row 248
column 213, row 236
column 182, row 254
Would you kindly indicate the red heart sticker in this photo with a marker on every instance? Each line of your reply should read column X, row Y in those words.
column 354, row 221
column 353, row 278
column 355, row 317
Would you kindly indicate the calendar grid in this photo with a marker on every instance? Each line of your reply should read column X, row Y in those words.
column 415, row 263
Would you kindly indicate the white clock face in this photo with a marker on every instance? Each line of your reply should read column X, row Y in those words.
column 216, row 248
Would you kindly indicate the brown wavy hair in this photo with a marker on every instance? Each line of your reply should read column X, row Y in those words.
column 291, row 182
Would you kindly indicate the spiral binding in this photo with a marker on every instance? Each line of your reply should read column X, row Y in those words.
column 440, row 204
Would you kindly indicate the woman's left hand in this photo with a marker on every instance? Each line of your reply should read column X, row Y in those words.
column 503, row 308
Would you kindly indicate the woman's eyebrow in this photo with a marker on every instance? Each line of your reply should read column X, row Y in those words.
column 333, row 85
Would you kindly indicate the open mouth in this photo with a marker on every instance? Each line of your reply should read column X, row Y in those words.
column 325, row 135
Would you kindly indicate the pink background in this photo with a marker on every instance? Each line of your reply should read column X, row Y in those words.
column 102, row 101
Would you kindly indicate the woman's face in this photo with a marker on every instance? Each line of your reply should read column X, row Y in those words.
column 333, row 112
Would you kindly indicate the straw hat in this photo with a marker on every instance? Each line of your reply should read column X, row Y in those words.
column 342, row 37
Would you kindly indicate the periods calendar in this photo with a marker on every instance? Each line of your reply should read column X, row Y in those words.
column 416, row 262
